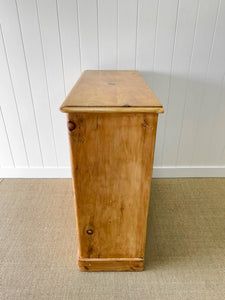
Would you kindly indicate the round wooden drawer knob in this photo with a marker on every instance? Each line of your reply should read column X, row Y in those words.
column 71, row 125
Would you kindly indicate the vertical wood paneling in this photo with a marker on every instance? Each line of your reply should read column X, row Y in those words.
column 18, row 69
column 49, row 25
column 184, row 39
column 107, row 21
column 127, row 34
column 9, row 111
column 192, row 119
column 163, row 60
column 217, row 145
column 146, row 34
column 6, row 158
column 147, row 19
column 178, row 45
column 36, row 69
column 210, row 99
column 88, row 24
column 70, row 41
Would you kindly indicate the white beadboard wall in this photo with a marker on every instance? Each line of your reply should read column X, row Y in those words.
column 177, row 45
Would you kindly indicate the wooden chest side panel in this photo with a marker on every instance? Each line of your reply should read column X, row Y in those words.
column 112, row 160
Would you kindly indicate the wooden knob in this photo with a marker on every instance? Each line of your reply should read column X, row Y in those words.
column 89, row 231
column 71, row 125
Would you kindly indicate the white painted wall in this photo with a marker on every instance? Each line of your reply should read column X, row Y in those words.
column 178, row 45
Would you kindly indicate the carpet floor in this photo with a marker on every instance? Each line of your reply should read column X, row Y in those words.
column 185, row 253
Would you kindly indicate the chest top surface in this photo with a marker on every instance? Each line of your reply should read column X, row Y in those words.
column 111, row 91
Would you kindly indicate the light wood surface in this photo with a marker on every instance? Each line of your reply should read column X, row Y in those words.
column 111, row 264
column 105, row 110
column 112, row 160
column 107, row 90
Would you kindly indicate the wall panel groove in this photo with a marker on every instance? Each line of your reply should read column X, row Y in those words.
column 19, row 75
column 29, row 84
column 10, row 110
column 188, row 78
column 48, row 107
column 198, row 152
column 97, row 12
column 47, row 11
column 166, row 27
column 170, row 83
column 60, row 46
column 6, row 157
column 192, row 118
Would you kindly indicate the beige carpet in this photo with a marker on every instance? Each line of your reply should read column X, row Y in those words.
column 185, row 255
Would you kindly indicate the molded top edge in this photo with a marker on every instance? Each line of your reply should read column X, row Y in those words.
column 111, row 91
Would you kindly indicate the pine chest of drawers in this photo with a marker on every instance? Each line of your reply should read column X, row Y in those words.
column 111, row 120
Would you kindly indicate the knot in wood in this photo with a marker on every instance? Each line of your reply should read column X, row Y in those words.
column 71, row 125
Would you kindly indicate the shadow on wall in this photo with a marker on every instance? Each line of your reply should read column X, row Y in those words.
column 191, row 130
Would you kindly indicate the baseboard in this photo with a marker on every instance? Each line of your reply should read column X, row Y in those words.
column 186, row 171
column 35, row 172
column 158, row 172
